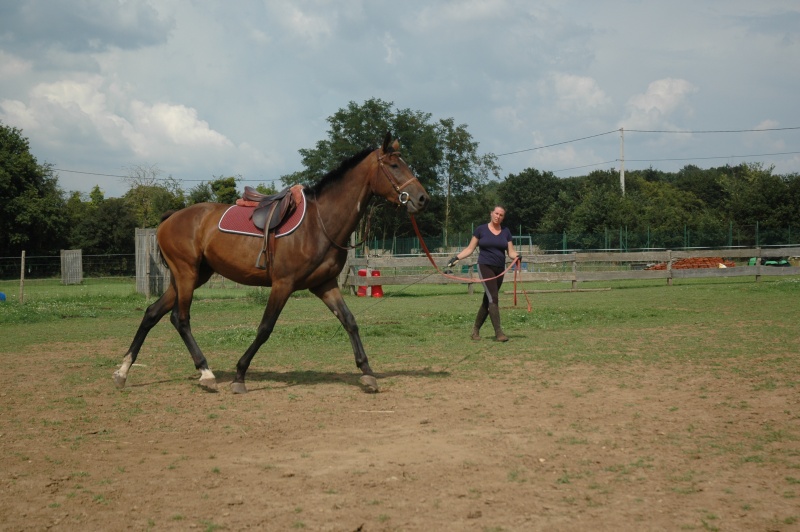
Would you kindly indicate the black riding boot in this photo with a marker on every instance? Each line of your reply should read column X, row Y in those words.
column 479, row 319
column 494, row 313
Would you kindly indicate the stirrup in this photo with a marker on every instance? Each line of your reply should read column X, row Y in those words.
column 261, row 260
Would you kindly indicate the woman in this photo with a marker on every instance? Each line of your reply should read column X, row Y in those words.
column 494, row 241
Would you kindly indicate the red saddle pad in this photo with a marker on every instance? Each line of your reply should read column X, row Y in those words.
column 237, row 220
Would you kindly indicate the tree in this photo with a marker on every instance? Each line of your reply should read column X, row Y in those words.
column 220, row 190
column 362, row 126
column 754, row 195
column 704, row 184
column 460, row 168
column 33, row 216
column 150, row 196
column 663, row 211
column 201, row 193
column 101, row 227
column 266, row 189
column 527, row 196
column 224, row 189
column 440, row 154
column 96, row 196
column 601, row 207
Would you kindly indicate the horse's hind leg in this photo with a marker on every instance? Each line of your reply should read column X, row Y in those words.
column 277, row 300
column 152, row 316
column 330, row 294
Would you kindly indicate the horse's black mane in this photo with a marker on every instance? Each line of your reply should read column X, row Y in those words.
column 335, row 175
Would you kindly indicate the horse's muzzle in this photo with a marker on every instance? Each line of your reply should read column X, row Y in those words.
column 414, row 204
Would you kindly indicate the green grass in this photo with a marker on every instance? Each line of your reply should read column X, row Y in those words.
column 427, row 326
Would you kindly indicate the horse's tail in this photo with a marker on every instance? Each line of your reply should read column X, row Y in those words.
column 158, row 246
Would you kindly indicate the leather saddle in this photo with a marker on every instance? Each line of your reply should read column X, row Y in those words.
column 271, row 209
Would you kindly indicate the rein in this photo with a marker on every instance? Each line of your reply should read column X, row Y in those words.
column 467, row 279
column 330, row 239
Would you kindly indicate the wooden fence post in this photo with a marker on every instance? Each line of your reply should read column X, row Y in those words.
column 71, row 266
column 669, row 267
column 574, row 271
column 152, row 275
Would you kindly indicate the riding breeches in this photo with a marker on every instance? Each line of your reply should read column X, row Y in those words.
column 491, row 283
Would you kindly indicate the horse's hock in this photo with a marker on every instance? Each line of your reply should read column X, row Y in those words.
column 152, row 275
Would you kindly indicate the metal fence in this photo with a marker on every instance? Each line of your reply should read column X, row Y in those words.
column 607, row 239
column 49, row 266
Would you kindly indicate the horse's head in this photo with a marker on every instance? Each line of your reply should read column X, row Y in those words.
column 395, row 181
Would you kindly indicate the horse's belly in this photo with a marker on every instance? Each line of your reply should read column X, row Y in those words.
column 235, row 257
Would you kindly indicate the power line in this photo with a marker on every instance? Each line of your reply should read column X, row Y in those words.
column 665, row 159
column 678, row 159
column 558, row 143
column 685, row 132
column 716, row 157
column 652, row 131
column 585, row 166
column 711, row 130
column 87, row 173
column 163, row 179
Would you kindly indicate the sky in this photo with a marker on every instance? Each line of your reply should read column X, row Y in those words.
column 199, row 90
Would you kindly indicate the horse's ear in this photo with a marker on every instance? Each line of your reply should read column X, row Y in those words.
column 386, row 141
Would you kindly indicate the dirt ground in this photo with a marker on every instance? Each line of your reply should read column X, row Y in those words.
column 569, row 448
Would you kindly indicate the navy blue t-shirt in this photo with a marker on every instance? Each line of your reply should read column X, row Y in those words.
column 492, row 247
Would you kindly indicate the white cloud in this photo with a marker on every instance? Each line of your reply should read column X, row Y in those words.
column 393, row 52
column 12, row 66
column 766, row 141
column 18, row 114
column 653, row 108
column 446, row 13
column 510, row 116
column 307, row 27
column 577, row 93
column 83, row 96
column 79, row 116
column 161, row 124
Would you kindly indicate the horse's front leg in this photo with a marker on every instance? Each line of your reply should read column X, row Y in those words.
column 277, row 300
column 330, row 294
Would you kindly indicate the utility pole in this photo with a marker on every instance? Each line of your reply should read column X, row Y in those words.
column 622, row 159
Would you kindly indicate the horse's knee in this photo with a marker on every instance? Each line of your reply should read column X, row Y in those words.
column 181, row 324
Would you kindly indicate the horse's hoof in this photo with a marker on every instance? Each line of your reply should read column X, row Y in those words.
column 209, row 385
column 119, row 380
column 238, row 387
column 368, row 383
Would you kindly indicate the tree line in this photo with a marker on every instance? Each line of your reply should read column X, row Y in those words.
column 39, row 217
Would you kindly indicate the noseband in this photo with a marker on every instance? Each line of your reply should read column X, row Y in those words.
column 402, row 197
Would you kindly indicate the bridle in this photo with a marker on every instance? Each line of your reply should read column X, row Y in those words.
column 402, row 197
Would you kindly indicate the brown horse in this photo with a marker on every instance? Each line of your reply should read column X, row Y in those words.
column 310, row 258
